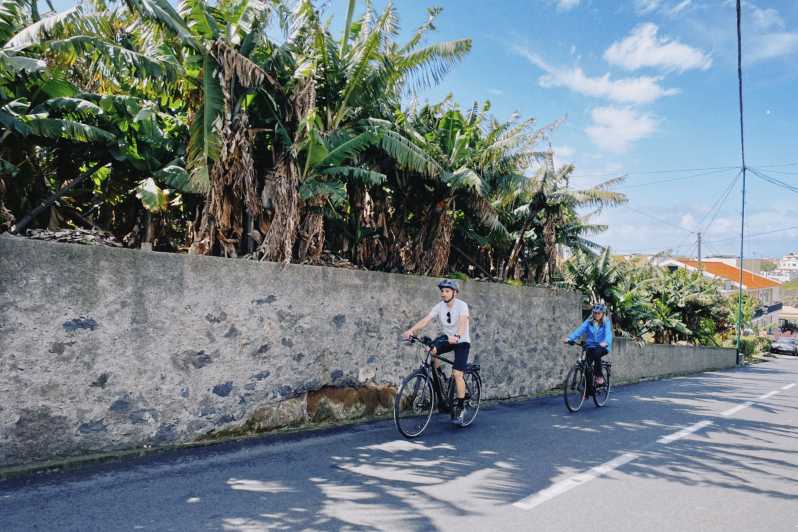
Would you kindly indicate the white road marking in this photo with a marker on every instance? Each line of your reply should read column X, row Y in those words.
column 570, row 483
column 563, row 486
column 768, row 395
column 737, row 408
column 684, row 432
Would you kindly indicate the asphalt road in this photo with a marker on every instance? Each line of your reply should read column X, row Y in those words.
column 715, row 451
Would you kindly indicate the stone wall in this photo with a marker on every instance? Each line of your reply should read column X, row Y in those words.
column 103, row 350
column 632, row 362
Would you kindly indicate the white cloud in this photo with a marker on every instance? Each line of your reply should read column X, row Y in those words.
column 644, row 89
column 563, row 152
column 771, row 45
column 765, row 19
column 567, row 5
column 497, row 92
column 644, row 7
column 681, row 6
column 614, row 129
column 642, row 48
column 689, row 222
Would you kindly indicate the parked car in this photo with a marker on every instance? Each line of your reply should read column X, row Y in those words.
column 785, row 344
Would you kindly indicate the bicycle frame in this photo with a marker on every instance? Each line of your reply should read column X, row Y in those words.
column 587, row 366
column 429, row 369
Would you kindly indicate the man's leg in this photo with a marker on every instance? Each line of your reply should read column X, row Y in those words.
column 459, row 383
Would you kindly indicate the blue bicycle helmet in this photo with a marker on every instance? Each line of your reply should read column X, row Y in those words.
column 448, row 283
column 600, row 307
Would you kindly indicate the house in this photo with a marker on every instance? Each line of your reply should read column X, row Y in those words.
column 767, row 291
column 787, row 270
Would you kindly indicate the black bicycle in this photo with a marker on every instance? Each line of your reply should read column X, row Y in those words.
column 425, row 387
column 579, row 383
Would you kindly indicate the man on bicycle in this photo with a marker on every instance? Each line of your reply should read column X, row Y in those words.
column 452, row 315
column 597, row 330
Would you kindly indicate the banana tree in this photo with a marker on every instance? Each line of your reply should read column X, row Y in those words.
column 551, row 204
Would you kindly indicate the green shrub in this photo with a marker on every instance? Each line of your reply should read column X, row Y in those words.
column 763, row 344
column 748, row 345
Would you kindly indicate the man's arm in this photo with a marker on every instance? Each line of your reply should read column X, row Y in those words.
column 419, row 326
column 461, row 327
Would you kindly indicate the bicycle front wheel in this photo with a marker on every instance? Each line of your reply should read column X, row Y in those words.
column 413, row 405
column 602, row 392
column 575, row 388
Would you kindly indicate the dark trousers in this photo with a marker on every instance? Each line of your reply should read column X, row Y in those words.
column 594, row 354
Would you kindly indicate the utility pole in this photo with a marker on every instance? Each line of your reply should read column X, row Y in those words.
column 742, row 154
column 700, row 264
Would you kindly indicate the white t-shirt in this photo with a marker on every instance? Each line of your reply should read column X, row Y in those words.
column 448, row 318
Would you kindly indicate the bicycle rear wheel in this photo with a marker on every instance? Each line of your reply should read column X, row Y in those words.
column 413, row 405
column 575, row 388
column 602, row 392
column 473, row 383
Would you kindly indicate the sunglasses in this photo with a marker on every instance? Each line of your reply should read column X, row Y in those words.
column 448, row 317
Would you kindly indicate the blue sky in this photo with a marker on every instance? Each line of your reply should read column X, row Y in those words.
column 649, row 90
column 647, row 87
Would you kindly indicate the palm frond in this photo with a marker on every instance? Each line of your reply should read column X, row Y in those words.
column 18, row 63
column 144, row 66
column 204, row 142
column 407, row 155
column 347, row 149
column 353, row 173
column 162, row 13
column 57, row 128
column 39, row 31
column 428, row 66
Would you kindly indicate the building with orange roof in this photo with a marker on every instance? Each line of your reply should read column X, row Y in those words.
column 766, row 291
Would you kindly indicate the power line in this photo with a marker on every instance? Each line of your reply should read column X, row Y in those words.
column 649, row 172
column 776, row 165
column 674, row 170
column 779, row 172
column 755, row 235
column 718, row 205
column 649, row 183
column 658, row 219
column 774, row 181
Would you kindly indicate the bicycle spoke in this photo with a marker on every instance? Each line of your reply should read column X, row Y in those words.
column 413, row 405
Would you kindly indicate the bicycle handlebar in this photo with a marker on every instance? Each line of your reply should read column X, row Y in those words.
column 426, row 340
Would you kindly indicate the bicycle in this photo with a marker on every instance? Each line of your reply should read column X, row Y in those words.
column 420, row 390
column 579, row 383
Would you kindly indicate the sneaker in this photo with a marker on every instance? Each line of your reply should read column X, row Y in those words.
column 599, row 379
column 459, row 417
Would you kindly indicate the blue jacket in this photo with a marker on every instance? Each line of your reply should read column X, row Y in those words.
column 594, row 334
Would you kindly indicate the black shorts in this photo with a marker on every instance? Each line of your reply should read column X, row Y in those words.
column 460, row 352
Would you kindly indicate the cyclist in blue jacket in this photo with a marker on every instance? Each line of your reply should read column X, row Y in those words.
column 597, row 330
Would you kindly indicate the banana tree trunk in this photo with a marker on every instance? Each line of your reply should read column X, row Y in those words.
column 435, row 243
column 515, row 254
column 311, row 234
column 370, row 249
column 550, row 243
column 278, row 242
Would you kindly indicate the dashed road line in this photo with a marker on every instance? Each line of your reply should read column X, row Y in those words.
column 684, row 432
column 570, row 483
column 563, row 486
